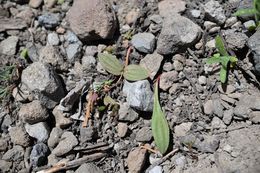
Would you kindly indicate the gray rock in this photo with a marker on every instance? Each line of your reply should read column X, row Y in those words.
column 208, row 107
column 156, row 23
column 8, row 46
column 49, row 20
column 167, row 79
column 122, row 129
column 218, row 108
column 38, row 156
column 71, row 37
column 51, row 55
column 202, row 80
column 152, row 62
column 139, row 95
column 249, row 24
column 35, row 3
column 180, row 160
column 33, row 112
column 167, row 8
column 40, row 131
column 73, row 51
column 136, row 160
column 7, row 23
column 255, row 117
column 19, row 136
column 144, row 42
column 177, row 34
column 3, row 144
column 228, row 116
column 230, row 21
column 254, row 44
column 235, row 40
column 88, row 62
column 14, row 154
column 126, row 113
column 215, row 12
column 182, row 129
column 97, row 22
column 217, row 123
column 209, row 145
column 53, row 39
column 91, row 50
column 87, row 134
column 5, row 166
column 156, row 169
column 42, row 79
column 54, row 138
column 144, row 134
column 68, row 142
column 90, row 167
column 195, row 13
column 60, row 118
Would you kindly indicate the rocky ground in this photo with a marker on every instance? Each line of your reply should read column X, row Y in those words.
column 51, row 48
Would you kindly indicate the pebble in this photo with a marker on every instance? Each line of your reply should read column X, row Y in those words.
column 249, row 24
column 38, row 156
column 156, row 169
column 254, row 45
column 144, row 42
column 227, row 90
column 195, row 13
column 9, row 45
column 167, row 8
column 53, row 39
column 5, row 166
column 215, row 12
column 182, row 129
column 19, row 136
column 73, row 51
column 209, row 145
column 178, row 66
column 91, row 50
column 167, row 79
column 228, row 148
column 87, row 134
column 14, row 154
column 217, row 123
column 35, row 3
column 255, row 117
column 54, row 138
column 3, row 144
column 152, row 62
column 71, row 37
column 68, row 142
column 132, row 16
column 230, row 21
column 90, row 167
column 228, row 116
column 144, row 134
column 136, row 159
column 40, row 131
column 33, row 112
column 202, row 80
column 126, row 113
column 172, row 41
column 235, row 40
column 49, row 20
column 218, row 108
column 139, row 95
column 122, row 129
column 50, row 3
column 208, row 107
column 88, row 62
column 168, row 67
column 60, row 119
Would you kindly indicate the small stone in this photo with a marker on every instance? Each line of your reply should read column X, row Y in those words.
column 53, row 39
column 88, row 62
column 136, row 160
column 50, row 3
column 91, row 50
column 68, row 142
column 180, row 161
column 216, row 123
column 54, row 137
column 230, row 21
column 35, row 3
column 167, row 79
column 61, row 120
column 202, row 80
column 209, row 145
column 14, row 154
column 5, row 166
column 214, row 30
column 168, row 67
column 254, row 45
column 215, row 12
column 3, row 144
column 156, row 169
column 218, row 108
column 208, row 107
column 144, row 135
column 152, row 62
column 249, row 24
column 227, row 148
column 255, row 117
column 182, row 129
column 209, row 25
column 178, row 66
column 139, row 95
column 87, row 134
column 89, row 167
column 73, row 51
column 132, row 16
column 49, row 20
column 8, row 46
column 40, row 131
column 228, row 116
column 33, row 112
column 170, row 7
column 227, row 90
column 71, row 38
column 235, row 40
column 122, row 129
column 38, row 156
column 144, row 42
column 127, row 114
column 195, row 13
column 19, row 136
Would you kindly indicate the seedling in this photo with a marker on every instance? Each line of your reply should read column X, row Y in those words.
column 253, row 11
column 223, row 58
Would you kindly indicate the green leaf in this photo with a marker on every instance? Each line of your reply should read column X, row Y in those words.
column 224, row 61
column 214, row 59
column 135, row 72
column 220, row 46
column 160, row 128
column 243, row 12
column 60, row 2
column 109, row 101
column 24, row 53
column 110, row 63
column 223, row 74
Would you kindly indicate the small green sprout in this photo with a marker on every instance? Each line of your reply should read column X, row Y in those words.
column 24, row 54
column 223, row 58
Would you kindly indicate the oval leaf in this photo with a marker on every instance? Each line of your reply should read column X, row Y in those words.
column 243, row 12
column 110, row 63
column 135, row 73
column 223, row 75
column 160, row 128
column 220, row 46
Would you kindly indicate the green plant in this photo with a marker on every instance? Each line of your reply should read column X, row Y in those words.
column 5, row 78
column 24, row 54
column 252, row 11
column 160, row 128
column 130, row 72
column 223, row 58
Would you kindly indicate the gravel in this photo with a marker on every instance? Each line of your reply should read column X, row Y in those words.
column 39, row 131
column 144, row 42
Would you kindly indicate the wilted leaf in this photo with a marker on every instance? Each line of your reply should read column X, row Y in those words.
column 110, row 63
column 135, row 73
column 214, row 59
column 243, row 12
column 160, row 128
column 109, row 101
column 220, row 46
column 223, row 75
